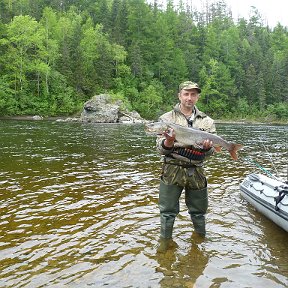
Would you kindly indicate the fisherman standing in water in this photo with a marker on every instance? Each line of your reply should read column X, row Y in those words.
column 183, row 166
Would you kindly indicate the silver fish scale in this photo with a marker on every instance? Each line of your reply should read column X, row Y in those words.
column 190, row 136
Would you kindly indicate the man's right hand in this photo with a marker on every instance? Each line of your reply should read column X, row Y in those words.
column 169, row 137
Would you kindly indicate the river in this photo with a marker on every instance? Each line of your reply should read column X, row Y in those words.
column 79, row 209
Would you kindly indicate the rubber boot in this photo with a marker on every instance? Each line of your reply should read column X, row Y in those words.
column 169, row 207
column 197, row 203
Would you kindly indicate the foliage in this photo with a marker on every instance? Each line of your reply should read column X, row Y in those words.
column 149, row 99
column 8, row 105
column 277, row 111
column 55, row 57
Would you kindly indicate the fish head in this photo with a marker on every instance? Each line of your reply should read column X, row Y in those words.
column 155, row 128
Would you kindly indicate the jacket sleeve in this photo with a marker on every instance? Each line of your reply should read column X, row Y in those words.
column 209, row 152
column 212, row 128
column 161, row 148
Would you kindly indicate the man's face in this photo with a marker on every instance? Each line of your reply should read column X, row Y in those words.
column 188, row 98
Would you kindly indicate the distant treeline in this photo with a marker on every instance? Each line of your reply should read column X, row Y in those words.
column 56, row 54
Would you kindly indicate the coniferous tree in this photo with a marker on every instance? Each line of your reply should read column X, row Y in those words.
column 70, row 50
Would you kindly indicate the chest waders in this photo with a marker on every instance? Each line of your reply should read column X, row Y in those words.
column 177, row 176
column 197, row 203
column 196, row 200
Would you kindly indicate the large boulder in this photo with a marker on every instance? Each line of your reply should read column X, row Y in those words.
column 103, row 109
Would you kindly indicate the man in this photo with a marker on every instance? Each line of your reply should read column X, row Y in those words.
column 183, row 166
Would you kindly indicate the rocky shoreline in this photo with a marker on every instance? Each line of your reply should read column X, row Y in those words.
column 78, row 119
column 99, row 109
column 104, row 109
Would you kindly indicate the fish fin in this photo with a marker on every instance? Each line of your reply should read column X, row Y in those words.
column 233, row 151
column 218, row 148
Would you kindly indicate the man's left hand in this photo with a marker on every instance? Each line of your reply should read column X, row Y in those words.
column 207, row 144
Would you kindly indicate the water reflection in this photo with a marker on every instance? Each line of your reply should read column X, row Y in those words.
column 79, row 209
column 181, row 269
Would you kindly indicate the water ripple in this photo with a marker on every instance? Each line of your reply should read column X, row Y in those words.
column 79, row 209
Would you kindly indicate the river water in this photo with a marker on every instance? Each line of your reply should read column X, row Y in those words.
column 79, row 209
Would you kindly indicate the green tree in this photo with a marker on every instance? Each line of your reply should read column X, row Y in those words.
column 62, row 52
column 261, row 92
column 8, row 104
column 250, row 86
column 217, row 88
column 25, row 54
column 149, row 101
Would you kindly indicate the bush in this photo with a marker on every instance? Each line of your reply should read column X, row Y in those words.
column 279, row 110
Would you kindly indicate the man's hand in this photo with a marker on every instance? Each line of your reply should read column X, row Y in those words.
column 169, row 137
column 207, row 144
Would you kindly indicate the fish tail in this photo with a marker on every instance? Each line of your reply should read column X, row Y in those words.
column 233, row 150
column 218, row 148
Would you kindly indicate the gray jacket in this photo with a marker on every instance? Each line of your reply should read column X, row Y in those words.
column 200, row 121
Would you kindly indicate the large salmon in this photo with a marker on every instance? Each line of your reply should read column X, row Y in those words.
column 192, row 136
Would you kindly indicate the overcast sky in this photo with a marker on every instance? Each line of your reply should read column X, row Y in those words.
column 271, row 11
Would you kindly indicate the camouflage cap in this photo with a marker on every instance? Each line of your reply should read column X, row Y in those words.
column 187, row 85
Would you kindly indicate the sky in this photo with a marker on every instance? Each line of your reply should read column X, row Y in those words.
column 271, row 11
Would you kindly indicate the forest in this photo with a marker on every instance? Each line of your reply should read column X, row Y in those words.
column 57, row 54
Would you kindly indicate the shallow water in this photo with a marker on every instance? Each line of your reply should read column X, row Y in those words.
column 79, row 209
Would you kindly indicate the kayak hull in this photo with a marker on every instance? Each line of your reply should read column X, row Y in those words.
column 269, row 196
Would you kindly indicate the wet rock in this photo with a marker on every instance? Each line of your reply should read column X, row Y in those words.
column 103, row 109
column 37, row 117
column 69, row 119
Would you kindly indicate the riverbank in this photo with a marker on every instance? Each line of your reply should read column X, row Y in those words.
column 36, row 118
column 217, row 121
column 251, row 121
